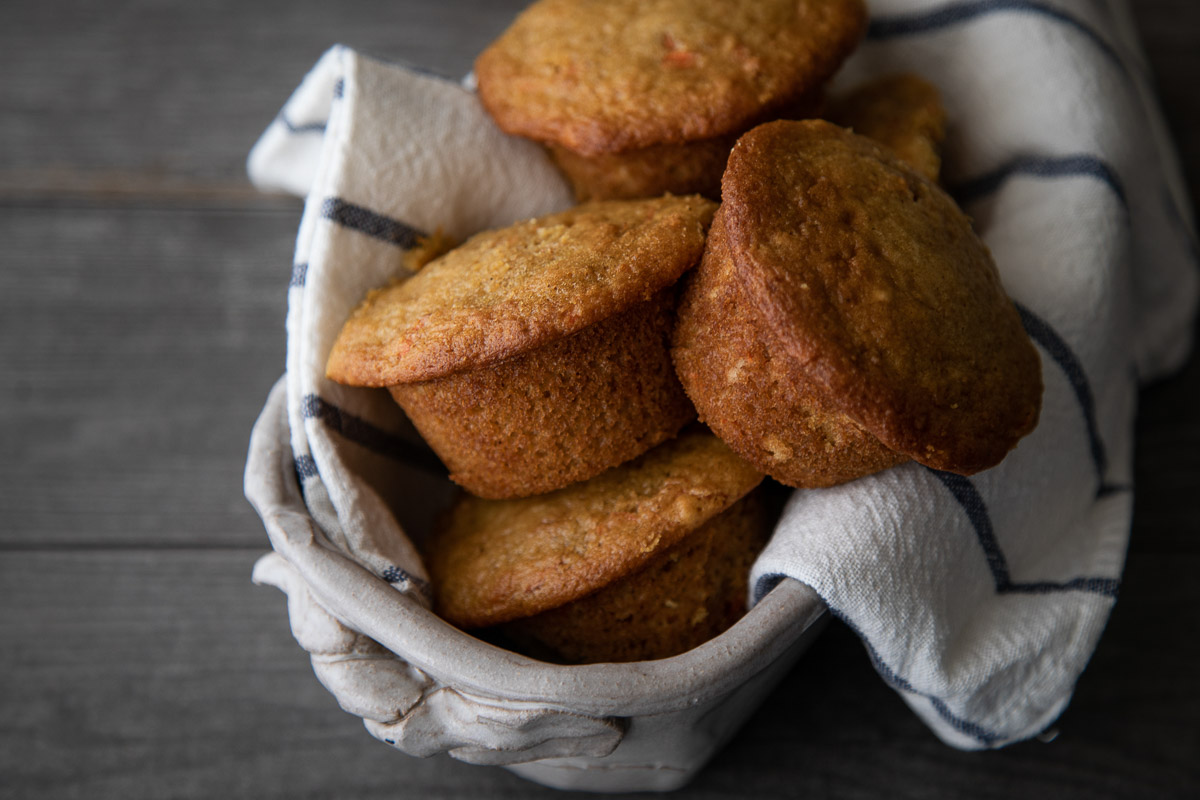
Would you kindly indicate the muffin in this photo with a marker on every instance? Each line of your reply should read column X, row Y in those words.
column 646, row 560
column 902, row 112
column 638, row 97
column 846, row 318
column 686, row 168
column 536, row 355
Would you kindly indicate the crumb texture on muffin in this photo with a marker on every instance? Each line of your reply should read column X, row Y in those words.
column 498, row 560
column 680, row 599
column 510, row 290
column 560, row 413
column 597, row 77
column 904, row 113
column 753, row 394
column 872, row 278
column 688, row 168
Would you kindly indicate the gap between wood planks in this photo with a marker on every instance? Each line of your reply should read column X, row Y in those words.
column 263, row 546
column 24, row 188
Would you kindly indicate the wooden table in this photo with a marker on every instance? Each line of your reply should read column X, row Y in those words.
column 141, row 311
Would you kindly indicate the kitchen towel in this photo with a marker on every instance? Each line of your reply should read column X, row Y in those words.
column 980, row 599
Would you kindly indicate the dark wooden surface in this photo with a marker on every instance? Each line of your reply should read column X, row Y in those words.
column 141, row 324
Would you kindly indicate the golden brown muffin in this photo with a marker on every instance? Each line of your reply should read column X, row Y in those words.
column 536, row 355
column 620, row 80
column 559, row 413
column 683, row 597
column 902, row 112
column 749, row 390
column 498, row 561
column 692, row 167
column 878, row 312
column 687, row 168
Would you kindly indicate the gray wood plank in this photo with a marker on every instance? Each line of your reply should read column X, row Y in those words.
column 145, row 674
column 134, row 96
column 151, row 674
column 137, row 347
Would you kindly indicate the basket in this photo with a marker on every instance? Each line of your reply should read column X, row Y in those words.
column 425, row 687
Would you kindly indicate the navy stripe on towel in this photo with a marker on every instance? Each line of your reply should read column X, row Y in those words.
column 299, row 273
column 1040, row 331
column 976, row 510
column 1106, row 586
column 1073, row 166
column 395, row 574
column 358, row 430
column 974, row 730
column 887, row 27
column 306, row 468
column 311, row 127
column 366, row 221
column 972, row 503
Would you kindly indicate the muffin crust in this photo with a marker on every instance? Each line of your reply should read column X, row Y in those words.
column 496, row 561
column 559, row 413
column 683, row 597
column 616, row 75
column 752, row 393
column 868, row 280
column 507, row 291
column 902, row 112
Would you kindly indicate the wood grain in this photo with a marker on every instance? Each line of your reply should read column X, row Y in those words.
column 138, row 346
column 167, row 674
column 133, row 93
column 141, row 325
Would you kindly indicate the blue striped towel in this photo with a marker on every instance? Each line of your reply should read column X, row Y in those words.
column 980, row 600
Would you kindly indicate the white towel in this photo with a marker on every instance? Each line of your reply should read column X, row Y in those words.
column 981, row 599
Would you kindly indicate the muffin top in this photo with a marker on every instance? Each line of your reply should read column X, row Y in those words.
column 499, row 560
column 872, row 279
column 507, row 291
column 598, row 76
column 903, row 112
